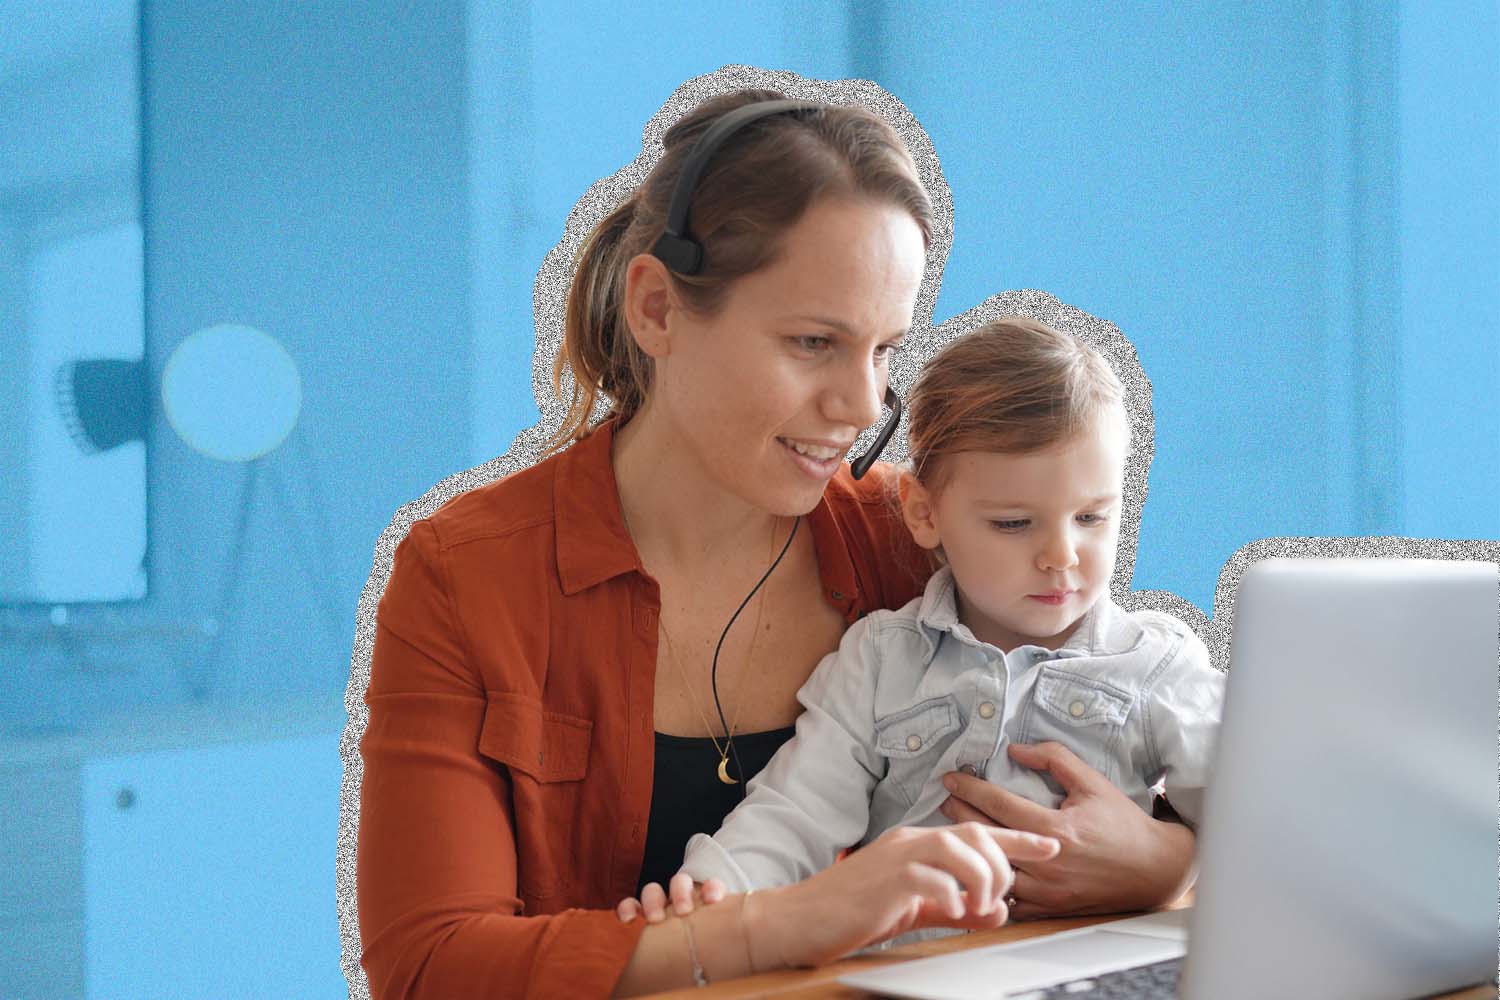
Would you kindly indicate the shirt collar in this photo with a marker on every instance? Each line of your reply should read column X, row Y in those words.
column 832, row 545
column 1104, row 630
column 592, row 543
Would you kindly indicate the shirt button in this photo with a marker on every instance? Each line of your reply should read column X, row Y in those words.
column 1075, row 709
column 970, row 770
column 987, row 710
column 914, row 742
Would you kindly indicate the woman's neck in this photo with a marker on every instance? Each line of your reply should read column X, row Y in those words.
column 673, row 509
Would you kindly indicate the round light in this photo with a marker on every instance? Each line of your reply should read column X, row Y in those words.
column 231, row 392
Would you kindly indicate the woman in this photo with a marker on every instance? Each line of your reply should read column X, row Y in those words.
column 563, row 686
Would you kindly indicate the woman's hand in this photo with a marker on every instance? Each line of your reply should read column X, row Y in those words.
column 1114, row 856
column 908, row 878
column 685, row 898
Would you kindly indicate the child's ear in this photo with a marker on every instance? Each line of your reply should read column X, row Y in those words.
column 916, row 509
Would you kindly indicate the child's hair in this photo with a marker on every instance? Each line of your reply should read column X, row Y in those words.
column 757, row 187
column 1012, row 386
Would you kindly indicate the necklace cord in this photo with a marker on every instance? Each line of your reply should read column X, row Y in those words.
column 713, row 675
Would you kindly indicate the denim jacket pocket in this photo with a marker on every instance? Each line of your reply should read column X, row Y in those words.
column 547, row 757
column 912, row 739
column 1084, row 714
column 916, row 730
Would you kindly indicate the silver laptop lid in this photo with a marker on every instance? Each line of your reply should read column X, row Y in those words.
column 1349, row 841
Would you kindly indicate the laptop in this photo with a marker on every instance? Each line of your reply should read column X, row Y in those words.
column 1348, row 846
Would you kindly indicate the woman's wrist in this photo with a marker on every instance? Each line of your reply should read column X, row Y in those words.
column 763, row 947
column 1173, row 862
column 737, row 937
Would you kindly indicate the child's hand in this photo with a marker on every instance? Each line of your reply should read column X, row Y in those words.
column 685, row 898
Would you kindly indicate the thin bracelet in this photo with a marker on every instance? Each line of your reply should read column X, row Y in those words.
column 699, row 979
column 745, row 931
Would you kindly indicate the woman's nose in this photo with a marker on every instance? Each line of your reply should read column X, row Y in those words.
column 856, row 399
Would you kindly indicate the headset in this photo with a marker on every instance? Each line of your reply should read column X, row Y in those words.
column 684, row 255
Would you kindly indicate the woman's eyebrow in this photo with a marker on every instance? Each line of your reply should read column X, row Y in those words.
column 839, row 325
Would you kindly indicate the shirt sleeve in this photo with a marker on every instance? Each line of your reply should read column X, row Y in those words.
column 813, row 799
column 1183, row 710
column 439, row 915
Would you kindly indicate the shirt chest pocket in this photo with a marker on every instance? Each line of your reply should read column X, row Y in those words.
column 547, row 757
column 1084, row 714
column 913, row 739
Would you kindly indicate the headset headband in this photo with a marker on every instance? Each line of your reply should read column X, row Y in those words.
column 675, row 248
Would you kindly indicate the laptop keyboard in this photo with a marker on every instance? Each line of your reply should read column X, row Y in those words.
column 1157, row 981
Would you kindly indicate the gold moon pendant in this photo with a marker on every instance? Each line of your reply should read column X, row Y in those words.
column 724, row 772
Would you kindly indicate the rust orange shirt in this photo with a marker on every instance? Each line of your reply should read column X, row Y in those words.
column 509, row 753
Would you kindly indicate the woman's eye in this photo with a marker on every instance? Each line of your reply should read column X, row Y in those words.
column 813, row 343
column 1015, row 525
column 886, row 350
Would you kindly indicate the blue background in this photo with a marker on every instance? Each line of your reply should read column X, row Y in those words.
column 1292, row 212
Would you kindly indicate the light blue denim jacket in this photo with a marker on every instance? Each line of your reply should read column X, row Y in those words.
column 910, row 695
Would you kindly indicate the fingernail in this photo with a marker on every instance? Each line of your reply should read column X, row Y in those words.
column 950, row 783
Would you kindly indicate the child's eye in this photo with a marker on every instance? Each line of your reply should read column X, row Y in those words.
column 1091, row 518
column 1013, row 525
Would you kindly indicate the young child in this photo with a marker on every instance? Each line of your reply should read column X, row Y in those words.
column 1018, row 440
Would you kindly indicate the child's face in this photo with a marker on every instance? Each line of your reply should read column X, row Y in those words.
column 1030, row 537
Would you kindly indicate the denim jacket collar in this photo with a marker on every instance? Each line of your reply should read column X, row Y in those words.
column 1105, row 627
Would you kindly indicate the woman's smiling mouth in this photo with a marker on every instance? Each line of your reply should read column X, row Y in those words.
column 819, row 459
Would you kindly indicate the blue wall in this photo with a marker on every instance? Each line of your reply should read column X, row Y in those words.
column 1294, row 216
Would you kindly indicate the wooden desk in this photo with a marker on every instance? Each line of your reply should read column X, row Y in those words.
column 821, row 983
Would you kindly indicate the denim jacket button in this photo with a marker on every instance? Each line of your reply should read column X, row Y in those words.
column 987, row 710
column 970, row 770
column 1076, row 709
column 914, row 742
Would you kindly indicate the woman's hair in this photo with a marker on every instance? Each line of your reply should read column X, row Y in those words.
column 755, row 188
column 1013, row 385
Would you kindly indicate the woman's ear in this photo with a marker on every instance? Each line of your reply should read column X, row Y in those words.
column 648, row 302
column 917, row 504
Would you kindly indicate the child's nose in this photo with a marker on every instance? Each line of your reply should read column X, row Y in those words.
column 1059, row 553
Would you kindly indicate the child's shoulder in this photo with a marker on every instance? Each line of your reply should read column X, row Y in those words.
column 1165, row 633
column 883, row 622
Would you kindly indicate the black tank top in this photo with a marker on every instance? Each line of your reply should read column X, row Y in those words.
column 687, row 796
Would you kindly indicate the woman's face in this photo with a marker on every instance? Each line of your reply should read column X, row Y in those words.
column 769, row 393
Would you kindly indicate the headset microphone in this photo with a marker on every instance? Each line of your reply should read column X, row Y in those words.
column 684, row 255
column 859, row 466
